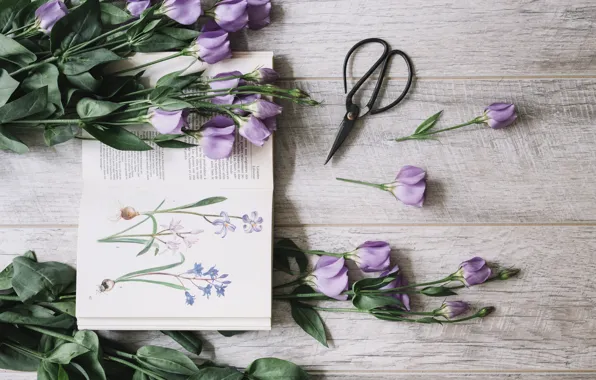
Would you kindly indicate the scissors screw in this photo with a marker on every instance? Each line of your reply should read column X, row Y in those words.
column 351, row 116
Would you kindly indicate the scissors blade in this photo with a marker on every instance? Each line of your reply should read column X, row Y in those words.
column 344, row 130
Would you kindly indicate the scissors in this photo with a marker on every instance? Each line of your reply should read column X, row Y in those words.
column 353, row 111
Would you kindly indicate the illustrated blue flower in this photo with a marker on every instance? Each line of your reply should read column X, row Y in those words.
column 206, row 290
column 225, row 223
column 252, row 223
column 220, row 290
column 190, row 299
column 212, row 272
column 197, row 270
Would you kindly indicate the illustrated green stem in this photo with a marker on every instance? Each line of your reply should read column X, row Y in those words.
column 376, row 185
column 178, row 54
column 189, row 213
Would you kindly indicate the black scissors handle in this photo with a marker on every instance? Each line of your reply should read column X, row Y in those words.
column 383, row 60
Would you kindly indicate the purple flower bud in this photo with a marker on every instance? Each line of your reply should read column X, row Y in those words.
column 266, row 76
column 228, row 83
column 263, row 109
column 399, row 282
column 259, row 14
column 452, row 309
column 409, row 186
column 372, row 256
column 217, row 137
column 330, row 277
column 185, row 12
column 253, row 129
column 231, row 15
column 168, row 122
column 137, row 7
column 500, row 115
column 49, row 13
column 473, row 272
column 213, row 46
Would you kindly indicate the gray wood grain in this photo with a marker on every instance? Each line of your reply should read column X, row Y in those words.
column 540, row 170
column 543, row 320
column 310, row 38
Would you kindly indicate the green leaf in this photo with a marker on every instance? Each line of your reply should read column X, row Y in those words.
column 373, row 283
column 66, row 307
column 9, row 142
column 183, row 34
column 82, row 62
column 166, row 137
column 112, row 15
column 177, row 81
column 92, row 361
column 158, row 43
column 36, row 315
column 186, row 339
column 85, row 81
column 230, row 333
column 117, row 137
column 217, row 373
column 6, row 278
column 174, row 144
column 203, row 202
column 428, row 123
column 429, row 320
column 14, row 52
column 16, row 361
column 147, row 247
column 9, row 9
column 51, row 371
column 167, row 360
column 117, row 84
column 34, row 281
column 154, row 269
column 26, row 105
column 65, row 352
column 127, row 240
column 58, row 134
column 438, row 291
column 173, row 104
column 137, row 28
column 88, row 108
column 370, row 302
column 138, row 375
column 80, row 25
column 275, row 369
column 309, row 320
column 285, row 249
column 7, row 86
column 45, row 76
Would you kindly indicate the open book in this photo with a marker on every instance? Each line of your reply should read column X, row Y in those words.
column 170, row 240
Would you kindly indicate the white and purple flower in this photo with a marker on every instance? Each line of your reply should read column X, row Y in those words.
column 225, row 223
column 252, row 223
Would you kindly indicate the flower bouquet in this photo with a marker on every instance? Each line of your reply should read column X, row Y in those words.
column 53, row 75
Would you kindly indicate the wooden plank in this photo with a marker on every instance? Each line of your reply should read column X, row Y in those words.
column 310, row 38
column 543, row 320
column 541, row 170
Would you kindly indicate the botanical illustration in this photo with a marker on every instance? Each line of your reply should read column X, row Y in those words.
column 172, row 236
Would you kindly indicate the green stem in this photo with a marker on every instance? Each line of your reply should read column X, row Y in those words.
column 376, row 185
column 79, row 47
column 397, row 290
column 151, row 374
column 291, row 283
column 51, row 333
column 339, row 310
column 24, row 350
column 34, row 65
column 478, row 120
column 173, row 211
column 112, row 42
column 119, row 353
column 22, row 27
column 54, row 121
column 178, row 54
column 317, row 253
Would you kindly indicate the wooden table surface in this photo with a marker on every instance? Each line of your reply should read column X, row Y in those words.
column 524, row 196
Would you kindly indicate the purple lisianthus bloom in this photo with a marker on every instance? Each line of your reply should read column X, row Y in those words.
column 473, row 272
column 168, row 122
column 137, row 7
column 399, row 282
column 263, row 109
column 185, row 12
column 330, row 277
column 500, row 115
column 253, row 129
column 271, row 123
column 244, row 100
column 266, row 76
column 409, row 186
column 453, row 309
column 372, row 256
column 259, row 14
column 49, row 13
column 231, row 15
column 252, row 222
column 213, row 46
column 217, row 137
column 233, row 80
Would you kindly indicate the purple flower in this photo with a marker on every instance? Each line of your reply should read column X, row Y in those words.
column 265, row 75
column 372, row 256
column 137, row 7
column 231, row 15
column 473, row 272
column 409, row 186
column 244, row 100
column 233, row 81
column 190, row 299
column 253, row 129
column 399, row 282
column 217, row 137
column 253, row 223
column 223, row 99
column 271, row 123
column 225, row 223
column 213, row 46
column 184, row 12
column 168, row 122
column 49, row 13
column 500, row 115
column 330, row 277
column 259, row 14
column 263, row 109
column 197, row 270
column 452, row 309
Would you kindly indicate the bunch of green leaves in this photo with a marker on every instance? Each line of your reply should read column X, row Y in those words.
column 38, row 333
